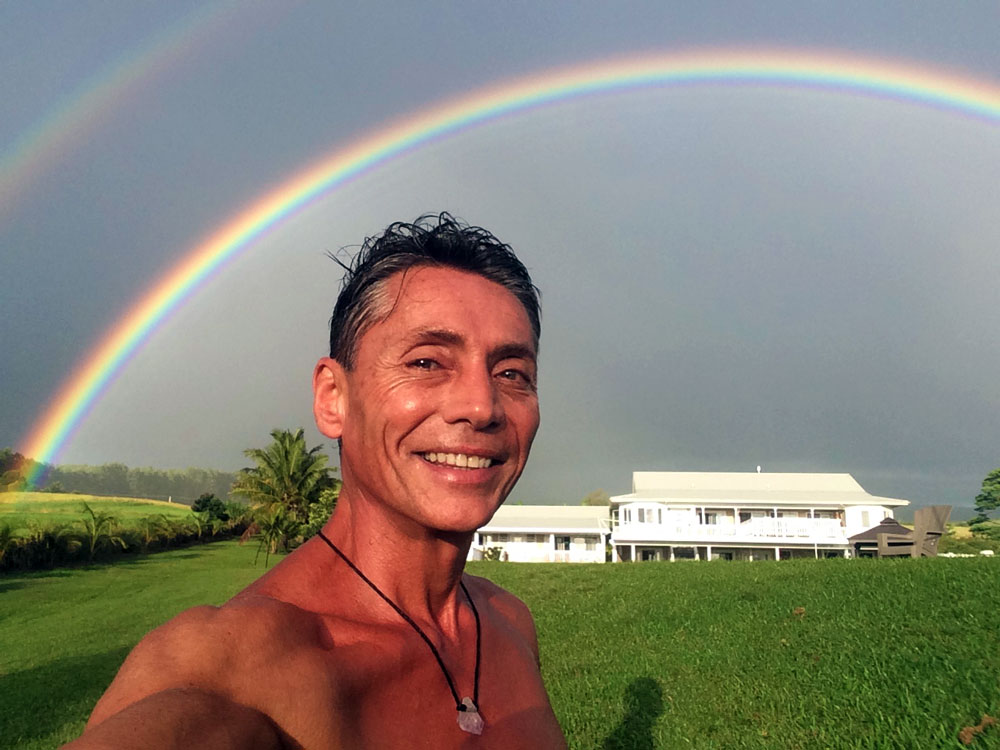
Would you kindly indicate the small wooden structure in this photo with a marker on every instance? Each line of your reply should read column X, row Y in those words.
column 865, row 544
column 928, row 528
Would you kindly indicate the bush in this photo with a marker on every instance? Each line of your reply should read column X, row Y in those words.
column 213, row 506
column 320, row 511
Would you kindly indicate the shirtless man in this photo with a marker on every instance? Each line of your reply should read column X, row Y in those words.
column 431, row 391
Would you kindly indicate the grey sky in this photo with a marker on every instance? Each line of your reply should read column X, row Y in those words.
column 731, row 276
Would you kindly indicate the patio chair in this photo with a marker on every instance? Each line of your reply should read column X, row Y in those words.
column 928, row 528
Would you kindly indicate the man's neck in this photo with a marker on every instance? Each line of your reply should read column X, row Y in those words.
column 419, row 569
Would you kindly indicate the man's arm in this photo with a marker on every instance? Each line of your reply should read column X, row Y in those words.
column 182, row 718
column 175, row 690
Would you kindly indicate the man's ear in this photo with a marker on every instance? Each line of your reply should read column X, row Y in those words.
column 330, row 397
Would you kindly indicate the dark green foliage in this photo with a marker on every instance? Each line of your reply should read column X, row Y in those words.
column 213, row 506
column 321, row 510
column 10, row 460
column 12, row 466
column 239, row 513
column 286, row 474
column 988, row 498
column 160, row 484
column 7, row 541
column 100, row 531
column 276, row 528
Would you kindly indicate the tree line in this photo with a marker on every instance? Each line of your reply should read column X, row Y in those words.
column 112, row 479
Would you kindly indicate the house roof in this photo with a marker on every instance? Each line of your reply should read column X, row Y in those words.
column 887, row 526
column 751, row 487
column 549, row 519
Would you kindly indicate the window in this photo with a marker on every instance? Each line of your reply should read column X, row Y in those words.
column 562, row 543
column 591, row 544
column 650, row 515
column 498, row 537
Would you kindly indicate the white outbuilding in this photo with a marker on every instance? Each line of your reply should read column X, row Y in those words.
column 545, row 533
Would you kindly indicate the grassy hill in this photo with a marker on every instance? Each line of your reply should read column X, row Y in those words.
column 19, row 508
column 793, row 654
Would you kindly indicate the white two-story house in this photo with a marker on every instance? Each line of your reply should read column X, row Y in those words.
column 674, row 515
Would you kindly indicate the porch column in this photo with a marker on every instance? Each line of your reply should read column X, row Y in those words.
column 751, row 554
column 672, row 558
column 633, row 553
column 708, row 552
column 816, row 550
column 777, row 553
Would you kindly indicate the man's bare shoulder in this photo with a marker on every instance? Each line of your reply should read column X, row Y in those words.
column 211, row 648
column 503, row 603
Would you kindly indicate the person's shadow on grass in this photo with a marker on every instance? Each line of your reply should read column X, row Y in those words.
column 643, row 705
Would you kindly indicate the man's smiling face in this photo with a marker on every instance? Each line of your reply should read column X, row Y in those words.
column 440, row 408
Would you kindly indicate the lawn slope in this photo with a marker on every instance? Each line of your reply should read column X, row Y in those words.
column 794, row 654
column 18, row 509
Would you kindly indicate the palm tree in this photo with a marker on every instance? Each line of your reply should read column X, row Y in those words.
column 7, row 540
column 287, row 475
column 199, row 522
column 100, row 530
column 276, row 527
column 150, row 529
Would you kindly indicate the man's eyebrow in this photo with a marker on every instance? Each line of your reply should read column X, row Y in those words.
column 447, row 337
column 515, row 351
column 436, row 336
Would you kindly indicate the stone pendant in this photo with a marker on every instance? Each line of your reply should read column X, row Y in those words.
column 469, row 720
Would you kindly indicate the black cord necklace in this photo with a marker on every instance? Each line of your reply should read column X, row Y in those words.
column 469, row 719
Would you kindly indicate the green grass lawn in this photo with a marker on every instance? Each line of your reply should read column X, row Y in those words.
column 794, row 654
column 18, row 508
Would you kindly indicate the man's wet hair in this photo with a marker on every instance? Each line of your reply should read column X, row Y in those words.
column 432, row 240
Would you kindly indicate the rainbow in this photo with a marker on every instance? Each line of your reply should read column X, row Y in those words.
column 872, row 78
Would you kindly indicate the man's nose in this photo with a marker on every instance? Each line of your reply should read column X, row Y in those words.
column 474, row 398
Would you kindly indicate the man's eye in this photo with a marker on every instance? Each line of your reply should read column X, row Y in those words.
column 516, row 376
column 424, row 363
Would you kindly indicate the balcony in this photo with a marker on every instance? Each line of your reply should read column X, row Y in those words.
column 754, row 530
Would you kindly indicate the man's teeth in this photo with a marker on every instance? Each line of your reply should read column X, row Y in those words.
column 460, row 460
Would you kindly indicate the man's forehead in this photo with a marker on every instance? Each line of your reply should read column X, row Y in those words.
column 434, row 297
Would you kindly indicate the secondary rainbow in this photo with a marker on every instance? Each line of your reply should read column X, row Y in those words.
column 42, row 146
column 866, row 77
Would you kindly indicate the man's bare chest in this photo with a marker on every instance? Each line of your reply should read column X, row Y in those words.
column 390, row 692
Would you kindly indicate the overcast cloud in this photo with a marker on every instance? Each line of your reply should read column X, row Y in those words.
column 732, row 276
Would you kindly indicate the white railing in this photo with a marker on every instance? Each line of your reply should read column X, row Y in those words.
column 755, row 529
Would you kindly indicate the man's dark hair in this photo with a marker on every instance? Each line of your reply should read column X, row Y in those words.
column 442, row 241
